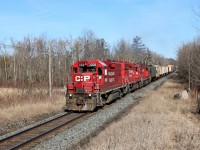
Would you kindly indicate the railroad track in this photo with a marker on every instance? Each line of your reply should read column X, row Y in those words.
column 22, row 138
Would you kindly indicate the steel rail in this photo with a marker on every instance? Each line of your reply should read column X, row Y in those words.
column 21, row 138
column 25, row 129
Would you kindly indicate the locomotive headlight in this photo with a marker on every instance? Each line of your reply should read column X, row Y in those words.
column 70, row 95
column 89, row 95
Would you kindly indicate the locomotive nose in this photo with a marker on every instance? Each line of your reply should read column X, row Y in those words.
column 84, row 83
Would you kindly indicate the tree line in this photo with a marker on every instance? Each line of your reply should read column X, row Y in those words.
column 28, row 62
column 188, row 60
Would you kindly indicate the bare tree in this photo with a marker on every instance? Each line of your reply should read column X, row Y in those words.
column 89, row 44
column 101, row 50
column 4, row 52
column 123, row 50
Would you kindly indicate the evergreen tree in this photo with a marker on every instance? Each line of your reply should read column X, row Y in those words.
column 139, row 49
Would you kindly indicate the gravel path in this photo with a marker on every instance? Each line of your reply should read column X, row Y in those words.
column 68, row 138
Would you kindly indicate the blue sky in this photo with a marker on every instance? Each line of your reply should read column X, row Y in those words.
column 163, row 24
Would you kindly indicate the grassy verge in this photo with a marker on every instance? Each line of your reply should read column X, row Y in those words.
column 158, row 122
column 19, row 104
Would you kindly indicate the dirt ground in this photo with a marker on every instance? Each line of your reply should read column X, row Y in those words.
column 157, row 122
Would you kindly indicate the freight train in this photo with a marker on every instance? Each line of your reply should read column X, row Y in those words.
column 98, row 82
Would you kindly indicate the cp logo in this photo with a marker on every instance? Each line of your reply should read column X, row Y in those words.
column 82, row 78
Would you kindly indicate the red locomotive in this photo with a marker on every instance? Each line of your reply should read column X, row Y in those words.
column 95, row 82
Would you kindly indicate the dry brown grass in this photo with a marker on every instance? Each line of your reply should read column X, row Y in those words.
column 158, row 122
column 19, row 104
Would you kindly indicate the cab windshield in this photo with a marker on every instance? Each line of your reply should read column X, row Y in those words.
column 87, row 69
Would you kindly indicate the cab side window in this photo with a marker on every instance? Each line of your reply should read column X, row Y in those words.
column 99, row 71
column 75, row 70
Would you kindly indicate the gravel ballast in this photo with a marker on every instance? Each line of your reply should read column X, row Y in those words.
column 79, row 132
